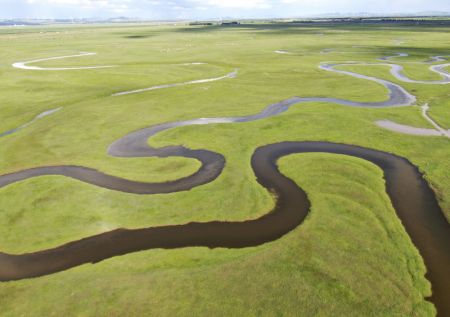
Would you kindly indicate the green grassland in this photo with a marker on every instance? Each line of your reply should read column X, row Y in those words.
column 351, row 256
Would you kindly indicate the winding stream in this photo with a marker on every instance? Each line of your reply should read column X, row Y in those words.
column 135, row 145
column 24, row 65
column 233, row 74
column 411, row 196
column 39, row 116
column 397, row 70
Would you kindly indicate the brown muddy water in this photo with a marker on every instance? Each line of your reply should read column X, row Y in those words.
column 411, row 196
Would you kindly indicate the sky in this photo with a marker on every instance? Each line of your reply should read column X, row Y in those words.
column 208, row 9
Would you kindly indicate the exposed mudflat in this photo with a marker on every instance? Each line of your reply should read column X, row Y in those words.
column 406, row 129
column 437, row 131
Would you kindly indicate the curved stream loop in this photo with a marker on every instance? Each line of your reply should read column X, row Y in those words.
column 398, row 71
column 411, row 196
column 24, row 65
column 135, row 145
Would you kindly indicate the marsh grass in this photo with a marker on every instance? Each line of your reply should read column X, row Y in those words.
column 351, row 257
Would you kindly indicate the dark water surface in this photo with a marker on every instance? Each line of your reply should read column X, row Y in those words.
column 413, row 200
column 411, row 196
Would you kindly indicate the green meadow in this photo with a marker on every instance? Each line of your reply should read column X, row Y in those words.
column 351, row 256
